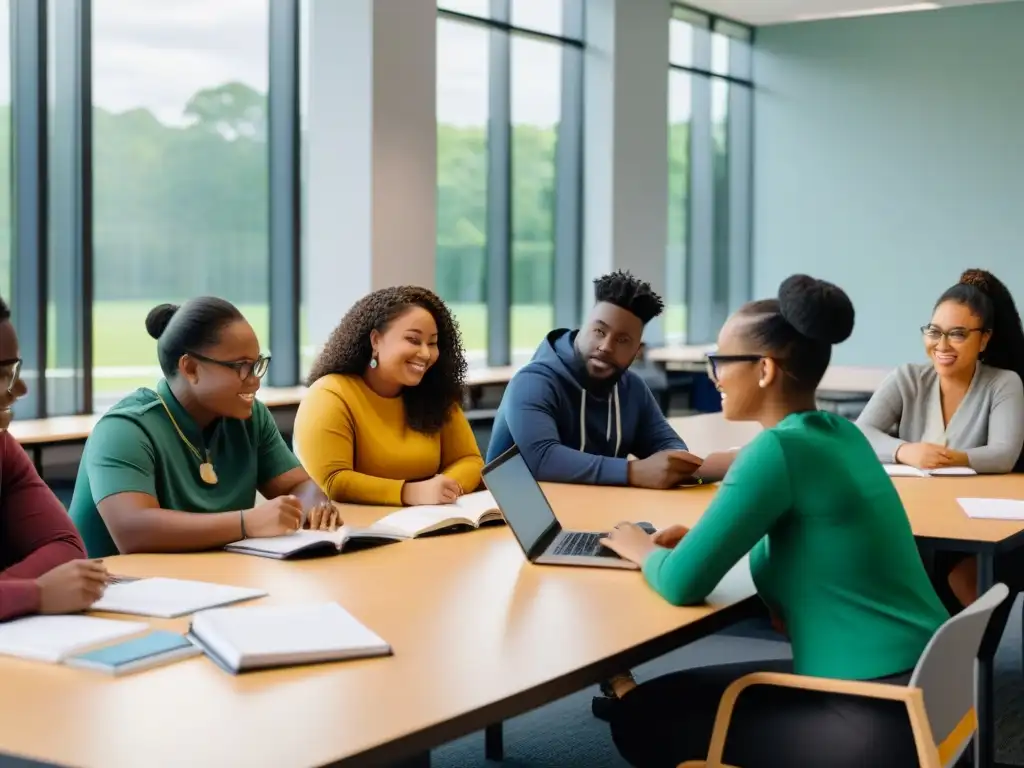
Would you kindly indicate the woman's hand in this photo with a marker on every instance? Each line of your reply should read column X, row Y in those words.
column 925, row 455
column 669, row 537
column 630, row 542
column 323, row 516
column 439, row 489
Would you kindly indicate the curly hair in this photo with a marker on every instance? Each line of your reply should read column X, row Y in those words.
column 348, row 351
column 631, row 294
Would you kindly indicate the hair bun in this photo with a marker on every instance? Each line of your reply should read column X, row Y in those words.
column 158, row 318
column 979, row 278
column 817, row 309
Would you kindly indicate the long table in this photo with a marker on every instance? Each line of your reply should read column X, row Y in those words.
column 478, row 634
column 938, row 522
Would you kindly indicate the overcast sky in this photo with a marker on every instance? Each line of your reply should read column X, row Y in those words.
column 158, row 53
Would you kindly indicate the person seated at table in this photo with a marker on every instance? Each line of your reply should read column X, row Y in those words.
column 42, row 559
column 832, row 556
column 199, row 443
column 382, row 422
column 577, row 412
column 965, row 408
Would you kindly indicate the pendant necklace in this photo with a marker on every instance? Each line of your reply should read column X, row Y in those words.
column 206, row 471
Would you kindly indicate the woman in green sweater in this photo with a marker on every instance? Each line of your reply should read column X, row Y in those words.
column 831, row 553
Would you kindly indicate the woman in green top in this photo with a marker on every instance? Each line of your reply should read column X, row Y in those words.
column 199, row 442
column 831, row 553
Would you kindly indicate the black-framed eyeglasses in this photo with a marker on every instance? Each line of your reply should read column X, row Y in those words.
column 244, row 368
column 10, row 369
column 714, row 360
column 955, row 335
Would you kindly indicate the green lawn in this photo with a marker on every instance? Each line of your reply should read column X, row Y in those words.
column 121, row 341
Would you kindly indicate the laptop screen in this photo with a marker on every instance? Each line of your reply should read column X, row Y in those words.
column 522, row 502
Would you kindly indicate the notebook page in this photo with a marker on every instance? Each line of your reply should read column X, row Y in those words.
column 263, row 633
column 289, row 542
column 51, row 638
column 993, row 509
column 167, row 598
column 903, row 470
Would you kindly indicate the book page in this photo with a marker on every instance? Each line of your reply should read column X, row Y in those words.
column 51, row 638
column 290, row 542
column 476, row 505
column 993, row 509
column 167, row 598
column 412, row 521
column 952, row 471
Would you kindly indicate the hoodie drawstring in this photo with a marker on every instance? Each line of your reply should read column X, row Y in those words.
column 608, row 429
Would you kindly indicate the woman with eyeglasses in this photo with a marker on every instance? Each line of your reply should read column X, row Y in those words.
column 829, row 543
column 42, row 559
column 200, row 442
column 965, row 408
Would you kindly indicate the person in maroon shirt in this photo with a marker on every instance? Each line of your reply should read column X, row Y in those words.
column 42, row 558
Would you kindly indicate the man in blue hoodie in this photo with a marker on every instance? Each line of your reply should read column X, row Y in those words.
column 577, row 412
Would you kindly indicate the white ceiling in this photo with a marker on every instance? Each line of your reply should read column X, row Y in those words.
column 758, row 12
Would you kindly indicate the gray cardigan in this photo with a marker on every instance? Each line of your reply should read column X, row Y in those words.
column 988, row 426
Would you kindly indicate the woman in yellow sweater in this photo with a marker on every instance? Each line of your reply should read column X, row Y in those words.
column 382, row 421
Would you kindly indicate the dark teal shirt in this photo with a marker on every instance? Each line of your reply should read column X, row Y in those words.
column 135, row 448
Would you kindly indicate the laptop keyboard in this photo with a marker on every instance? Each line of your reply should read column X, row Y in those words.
column 583, row 545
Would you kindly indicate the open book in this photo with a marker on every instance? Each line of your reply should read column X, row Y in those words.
column 242, row 639
column 469, row 511
column 905, row 470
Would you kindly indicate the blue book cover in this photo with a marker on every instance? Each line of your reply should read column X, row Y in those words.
column 158, row 647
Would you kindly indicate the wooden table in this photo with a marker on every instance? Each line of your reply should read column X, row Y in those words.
column 479, row 636
column 938, row 522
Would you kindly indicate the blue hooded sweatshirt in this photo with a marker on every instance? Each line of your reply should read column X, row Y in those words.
column 569, row 435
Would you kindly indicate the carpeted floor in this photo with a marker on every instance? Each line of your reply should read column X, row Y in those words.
column 564, row 734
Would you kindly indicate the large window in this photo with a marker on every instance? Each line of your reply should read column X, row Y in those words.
column 509, row 137
column 5, row 150
column 710, row 104
column 180, row 170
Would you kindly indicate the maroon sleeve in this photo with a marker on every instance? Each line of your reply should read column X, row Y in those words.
column 36, row 533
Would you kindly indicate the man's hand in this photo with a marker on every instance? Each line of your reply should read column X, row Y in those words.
column 665, row 469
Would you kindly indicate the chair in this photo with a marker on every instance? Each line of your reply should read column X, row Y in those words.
column 939, row 697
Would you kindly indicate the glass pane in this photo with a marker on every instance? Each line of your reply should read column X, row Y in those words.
column 541, row 15
column 5, row 151
column 462, row 110
column 307, row 350
column 720, row 169
column 536, row 108
column 180, row 164
column 679, row 111
column 720, row 54
column 480, row 8
column 680, row 43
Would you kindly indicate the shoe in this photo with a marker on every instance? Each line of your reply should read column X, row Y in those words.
column 603, row 707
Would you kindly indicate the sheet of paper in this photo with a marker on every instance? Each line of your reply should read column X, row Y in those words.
column 167, row 598
column 993, row 509
column 52, row 638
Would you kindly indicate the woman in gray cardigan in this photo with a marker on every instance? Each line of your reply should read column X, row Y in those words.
column 965, row 408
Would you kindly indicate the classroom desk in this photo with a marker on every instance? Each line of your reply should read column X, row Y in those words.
column 938, row 522
column 851, row 379
column 479, row 636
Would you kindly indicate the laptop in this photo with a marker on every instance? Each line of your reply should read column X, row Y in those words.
column 528, row 513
